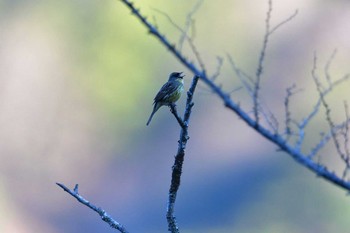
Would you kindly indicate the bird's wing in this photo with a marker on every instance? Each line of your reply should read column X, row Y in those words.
column 167, row 88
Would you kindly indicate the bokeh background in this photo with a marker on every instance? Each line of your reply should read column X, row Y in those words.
column 77, row 79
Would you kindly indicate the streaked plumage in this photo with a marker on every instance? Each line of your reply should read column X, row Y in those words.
column 169, row 93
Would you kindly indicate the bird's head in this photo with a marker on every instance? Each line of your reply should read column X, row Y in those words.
column 175, row 76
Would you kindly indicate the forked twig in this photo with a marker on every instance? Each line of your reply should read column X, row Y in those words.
column 343, row 155
column 103, row 214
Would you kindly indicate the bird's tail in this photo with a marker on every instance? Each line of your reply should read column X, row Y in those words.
column 155, row 108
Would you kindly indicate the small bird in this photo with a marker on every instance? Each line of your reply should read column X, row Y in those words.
column 169, row 93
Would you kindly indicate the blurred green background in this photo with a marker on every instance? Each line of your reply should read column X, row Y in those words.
column 77, row 79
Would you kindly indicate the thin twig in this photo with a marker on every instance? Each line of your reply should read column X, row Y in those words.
column 242, row 75
column 346, row 141
column 269, row 117
column 326, row 137
column 184, row 33
column 218, row 68
column 305, row 121
column 171, row 21
column 346, row 133
column 325, row 92
column 327, row 67
column 329, row 119
column 284, row 22
column 260, row 68
column 189, row 23
column 288, row 119
column 173, row 110
column 288, row 115
column 104, row 215
column 324, row 140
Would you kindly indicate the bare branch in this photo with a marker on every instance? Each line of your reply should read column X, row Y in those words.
column 254, row 122
column 290, row 92
column 242, row 76
column 288, row 117
column 171, row 21
column 326, row 138
column 346, row 141
column 346, row 133
column 326, row 91
column 239, row 72
column 259, row 70
column 269, row 117
column 189, row 23
column 300, row 139
column 218, row 68
column 278, row 140
column 197, row 55
column 173, row 110
column 179, row 158
column 326, row 68
column 330, row 121
column 284, row 22
column 189, row 40
column 104, row 215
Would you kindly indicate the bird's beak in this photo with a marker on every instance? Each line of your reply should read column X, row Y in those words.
column 181, row 75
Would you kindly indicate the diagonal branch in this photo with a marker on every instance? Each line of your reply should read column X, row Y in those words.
column 277, row 139
column 104, row 215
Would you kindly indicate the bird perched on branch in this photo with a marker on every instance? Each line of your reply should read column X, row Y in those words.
column 169, row 93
